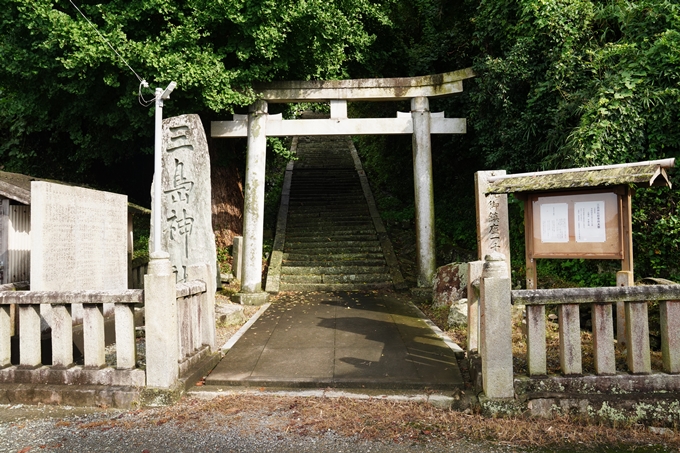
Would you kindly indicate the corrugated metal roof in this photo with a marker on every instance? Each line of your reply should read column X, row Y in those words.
column 645, row 174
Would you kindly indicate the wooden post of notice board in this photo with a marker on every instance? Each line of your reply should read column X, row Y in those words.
column 531, row 274
column 535, row 314
column 625, row 277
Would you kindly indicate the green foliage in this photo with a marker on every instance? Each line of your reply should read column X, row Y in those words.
column 577, row 82
column 69, row 103
column 140, row 232
column 561, row 83
column 278, row 156
column 224, row 259
column 278, row 147
column 656, row 233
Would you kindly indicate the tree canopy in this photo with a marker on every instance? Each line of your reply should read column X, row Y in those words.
column 69, row 102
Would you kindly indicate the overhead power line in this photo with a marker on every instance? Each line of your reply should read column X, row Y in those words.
column 142, row 82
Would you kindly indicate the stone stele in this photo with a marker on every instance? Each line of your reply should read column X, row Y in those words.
column 78, row 241
column 78, row 238
column 186, row 207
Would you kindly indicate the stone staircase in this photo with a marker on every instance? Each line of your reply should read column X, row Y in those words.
column 331, row 240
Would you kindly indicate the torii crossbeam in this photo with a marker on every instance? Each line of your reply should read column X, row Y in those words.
column 419, row 122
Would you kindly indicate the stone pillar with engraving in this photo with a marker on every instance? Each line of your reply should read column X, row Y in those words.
column 493, row 231
column 186, row 206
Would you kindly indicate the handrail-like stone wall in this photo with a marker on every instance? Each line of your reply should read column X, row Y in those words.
column 490, row 293
column 569, row 300
column 185, row 309
column 94, row 371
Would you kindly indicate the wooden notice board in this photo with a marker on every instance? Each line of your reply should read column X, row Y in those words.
column 579, row 224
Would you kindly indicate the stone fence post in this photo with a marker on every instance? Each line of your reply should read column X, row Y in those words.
column 496, row 328
column 160, row 311
column 207, row 311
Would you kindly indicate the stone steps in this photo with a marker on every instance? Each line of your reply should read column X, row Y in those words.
column 333, row 238
column 335, row 278
column 291, row 265
column 344, row 232
column 335, row 286
column 321, row 246
column 334, row 269
column 328, row 225
column 331, row 243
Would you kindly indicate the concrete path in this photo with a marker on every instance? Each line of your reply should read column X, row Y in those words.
column 362, row 340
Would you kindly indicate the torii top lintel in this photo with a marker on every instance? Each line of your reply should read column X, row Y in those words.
column 392, row 89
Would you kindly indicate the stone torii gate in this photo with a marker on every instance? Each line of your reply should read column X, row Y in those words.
column 258, row 124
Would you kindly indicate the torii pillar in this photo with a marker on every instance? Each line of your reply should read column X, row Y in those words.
column 424, row 191
column 253, row 207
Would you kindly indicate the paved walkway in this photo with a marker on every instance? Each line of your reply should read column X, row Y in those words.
column 359, row 340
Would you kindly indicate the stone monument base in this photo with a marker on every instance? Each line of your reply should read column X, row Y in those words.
column 258, row 298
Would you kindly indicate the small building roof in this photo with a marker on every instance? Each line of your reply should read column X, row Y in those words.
column 650, row 173
column 17, row 187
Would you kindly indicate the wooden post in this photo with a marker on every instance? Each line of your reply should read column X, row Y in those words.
column 535, row 314
column 531, row 275
column 626, row 277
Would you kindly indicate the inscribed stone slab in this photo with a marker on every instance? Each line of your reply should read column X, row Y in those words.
column 186, row 206
column 78, row 238
column 78, row 241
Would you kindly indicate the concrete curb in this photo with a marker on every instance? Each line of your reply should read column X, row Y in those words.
column 121, row 397
column 244, row 328
column 436, row 399
column 274, row 272
column 457, row 350
column 390, row 258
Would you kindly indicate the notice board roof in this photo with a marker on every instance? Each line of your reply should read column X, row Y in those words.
column 646, row 174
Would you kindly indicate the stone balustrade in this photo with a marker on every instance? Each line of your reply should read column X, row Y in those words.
column 190, row 301
column 194, row 334
column 138, row 268
column 62, row 370
column 601, row 300
column 490, row 298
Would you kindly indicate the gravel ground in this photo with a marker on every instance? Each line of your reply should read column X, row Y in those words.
column 47, row 428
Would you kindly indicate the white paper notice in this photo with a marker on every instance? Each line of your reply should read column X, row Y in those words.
column 590, row 221
column 555, row 222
